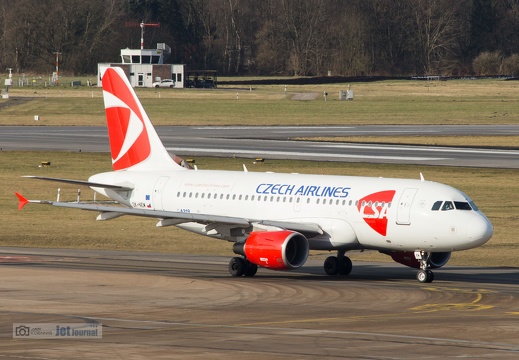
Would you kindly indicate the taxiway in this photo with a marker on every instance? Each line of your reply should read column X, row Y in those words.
column 166, row 306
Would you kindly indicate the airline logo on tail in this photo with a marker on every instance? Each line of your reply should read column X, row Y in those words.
column 373, row 209
column 129, row 142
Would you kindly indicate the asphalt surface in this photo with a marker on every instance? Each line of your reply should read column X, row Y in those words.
column 165, row 306
column 275, row 143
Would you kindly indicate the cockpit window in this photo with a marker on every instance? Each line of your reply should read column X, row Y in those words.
column 448, row 205
column 436, row 206
column 461, row 205
column 458, row 205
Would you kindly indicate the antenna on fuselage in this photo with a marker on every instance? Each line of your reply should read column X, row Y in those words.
column 421, row 177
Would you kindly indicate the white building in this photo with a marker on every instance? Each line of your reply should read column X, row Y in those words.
column 146, row 66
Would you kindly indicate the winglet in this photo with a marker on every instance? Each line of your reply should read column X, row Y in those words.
column 22, row 200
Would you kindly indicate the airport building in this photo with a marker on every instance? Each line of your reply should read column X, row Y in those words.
column 146, row 67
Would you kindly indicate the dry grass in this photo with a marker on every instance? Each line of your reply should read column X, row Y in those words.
column 493, row 190
column 386, row 102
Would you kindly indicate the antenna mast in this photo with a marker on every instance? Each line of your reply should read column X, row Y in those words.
column 142, row 25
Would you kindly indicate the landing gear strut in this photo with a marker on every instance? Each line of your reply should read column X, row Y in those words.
column 338, row 265
column 424, row 275
column 239, row 266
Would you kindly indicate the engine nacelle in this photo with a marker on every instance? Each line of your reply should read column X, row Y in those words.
column 275, row 250
column 407, row 258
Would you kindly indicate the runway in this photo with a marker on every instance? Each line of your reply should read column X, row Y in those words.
column 276, row 143
column 165, row 306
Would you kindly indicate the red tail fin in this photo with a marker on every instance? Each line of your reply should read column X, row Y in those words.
column 133, row 140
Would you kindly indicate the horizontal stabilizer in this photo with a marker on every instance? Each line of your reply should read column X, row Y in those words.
column 81, row 182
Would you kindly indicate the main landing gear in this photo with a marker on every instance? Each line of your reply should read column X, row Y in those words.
column 239, row 266
column 338, row 265
column 424, row 275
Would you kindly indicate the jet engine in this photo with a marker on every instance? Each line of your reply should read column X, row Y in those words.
column 275, row 250
column 437, row 260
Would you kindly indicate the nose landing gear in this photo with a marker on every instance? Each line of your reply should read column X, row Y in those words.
column 424, row 275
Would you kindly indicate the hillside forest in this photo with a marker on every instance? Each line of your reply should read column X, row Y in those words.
column 268, row 37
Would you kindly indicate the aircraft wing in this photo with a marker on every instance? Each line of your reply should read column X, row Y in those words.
column 81, row 182
column 110, row 212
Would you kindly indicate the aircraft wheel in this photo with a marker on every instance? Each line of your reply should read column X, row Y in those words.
column 346, row 266
column 237, row 266
column 250, row 269
column 331, row 265
column 430, row 275
column 425, row 276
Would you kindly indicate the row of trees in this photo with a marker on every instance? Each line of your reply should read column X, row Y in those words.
column 269, row 37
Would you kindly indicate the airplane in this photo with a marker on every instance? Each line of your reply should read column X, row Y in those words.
column 275, row 219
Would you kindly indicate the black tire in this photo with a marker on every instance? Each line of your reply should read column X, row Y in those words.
column 237, row 266
column 345, row 266
column 331, row 265
column 250, row 269
column 430, row 275
column 156, row 86
column 425, row 276
column 171, row 86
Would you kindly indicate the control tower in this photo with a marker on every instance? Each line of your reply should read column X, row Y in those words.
column 146, row 66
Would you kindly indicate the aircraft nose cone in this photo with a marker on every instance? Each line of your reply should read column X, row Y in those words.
column 480, row 230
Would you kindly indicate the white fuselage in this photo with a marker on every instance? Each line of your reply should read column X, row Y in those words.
column 353, row 212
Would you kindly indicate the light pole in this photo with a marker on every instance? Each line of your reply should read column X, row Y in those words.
column 57, row 67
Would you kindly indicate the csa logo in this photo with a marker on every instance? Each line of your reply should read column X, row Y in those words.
column 373, row 209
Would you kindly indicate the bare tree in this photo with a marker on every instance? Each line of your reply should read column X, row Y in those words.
column 436, row 30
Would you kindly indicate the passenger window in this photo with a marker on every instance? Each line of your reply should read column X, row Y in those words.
column 448, row 205
column 437, row 205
